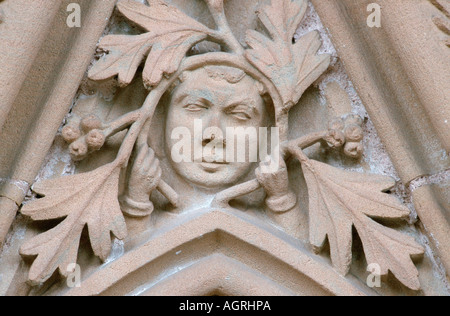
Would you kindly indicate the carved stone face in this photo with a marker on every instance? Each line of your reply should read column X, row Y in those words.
column 219, row 97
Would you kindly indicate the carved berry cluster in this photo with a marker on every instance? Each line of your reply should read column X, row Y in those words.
column 84, row 137
column 346, row 133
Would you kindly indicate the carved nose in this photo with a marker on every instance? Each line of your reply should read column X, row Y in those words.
column 207, row 140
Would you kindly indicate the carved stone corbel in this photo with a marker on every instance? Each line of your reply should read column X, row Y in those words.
column 338, row 200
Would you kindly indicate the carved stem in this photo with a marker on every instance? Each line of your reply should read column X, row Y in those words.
column 305, row 141
column 122, row 123
column 224, row 34
column 283, row 125
column 169, row 193
column 223, row 198
column 300, row 155
column 147, row 111
column 164, row 188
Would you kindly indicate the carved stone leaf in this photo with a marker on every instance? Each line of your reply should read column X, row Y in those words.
column 158, row 17
column 282, row 17
column 171, row 33
column 291, row 67
column 125, row 55
column 391, row 250
column 85, row 199
column 340, row 200
column 168, row 55
column 55, row 249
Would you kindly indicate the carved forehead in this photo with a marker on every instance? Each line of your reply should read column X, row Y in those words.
column 231, row 75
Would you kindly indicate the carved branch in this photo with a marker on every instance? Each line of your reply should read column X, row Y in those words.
column 121, row 123
column 223, row 199
column 164, row 188
column 224, row 33
column 305, row 141
column 147, row 111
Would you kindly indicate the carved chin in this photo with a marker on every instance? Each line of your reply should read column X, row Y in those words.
column 212, row 175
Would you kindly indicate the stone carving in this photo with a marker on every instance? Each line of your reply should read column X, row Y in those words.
column 2, row 14
column 442, row 22
column 274, row 72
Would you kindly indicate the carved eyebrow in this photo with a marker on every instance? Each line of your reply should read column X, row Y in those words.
column 247, row 103
column 185, row 97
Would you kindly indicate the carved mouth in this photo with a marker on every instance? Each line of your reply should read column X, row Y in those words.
column 212, row 166
column 213, row 161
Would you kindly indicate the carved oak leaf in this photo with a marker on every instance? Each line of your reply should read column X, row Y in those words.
column 125, row 55
column 171, row 33
column 84, row 199
column 291, row 67
column 340, row 200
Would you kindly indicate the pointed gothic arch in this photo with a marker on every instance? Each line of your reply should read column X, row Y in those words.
column 215, row 239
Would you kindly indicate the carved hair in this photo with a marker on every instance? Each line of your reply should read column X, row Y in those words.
column 231, row 75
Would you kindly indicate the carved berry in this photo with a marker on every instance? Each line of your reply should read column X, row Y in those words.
column 353, row 119
column 353, row 133
column 90, row 123
column 335, row 138
column 337, row 124
column 95, row 139
column 71, row 133
column 353, row 150
column 78, row 150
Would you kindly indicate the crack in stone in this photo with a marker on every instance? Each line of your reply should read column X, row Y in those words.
column 438, row 178
column 20, row 184
column 404, row 192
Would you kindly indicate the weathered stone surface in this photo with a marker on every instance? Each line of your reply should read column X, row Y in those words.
column 139, row 194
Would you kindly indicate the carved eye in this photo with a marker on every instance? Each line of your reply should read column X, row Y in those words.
column 241, row 116
column 195, row 107
column 241, row 113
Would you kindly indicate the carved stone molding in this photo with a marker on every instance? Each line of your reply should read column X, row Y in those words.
column 54, row 61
